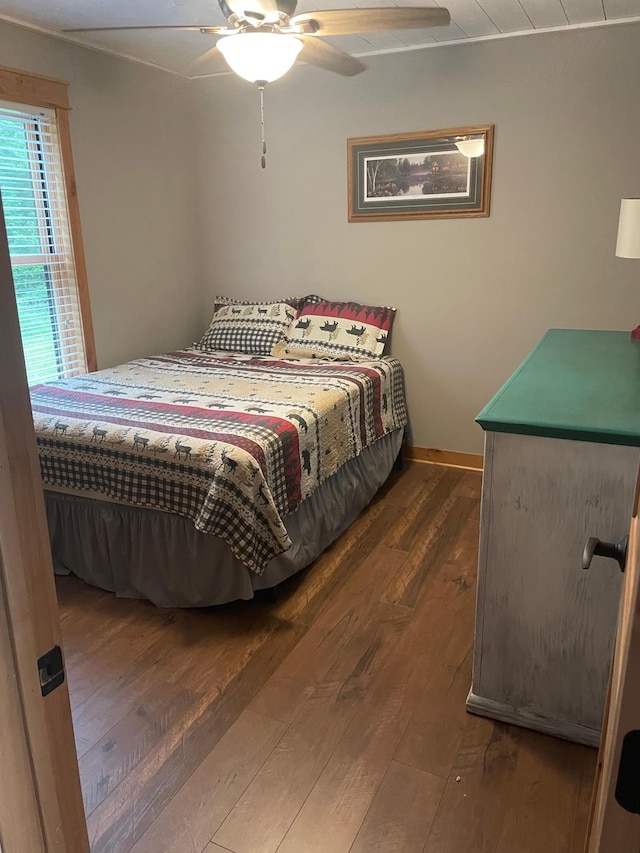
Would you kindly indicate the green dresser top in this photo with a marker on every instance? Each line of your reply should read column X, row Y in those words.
column 581, row 385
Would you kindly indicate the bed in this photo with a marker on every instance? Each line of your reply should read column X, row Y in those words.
column 196, row 478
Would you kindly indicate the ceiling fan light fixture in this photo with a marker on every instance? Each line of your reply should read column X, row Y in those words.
column 260, row 57
column 471, row 147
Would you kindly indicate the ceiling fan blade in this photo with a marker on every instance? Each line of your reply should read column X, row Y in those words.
column 323, row 55
column 186, row 28
column 201, row 60
column 338, row 22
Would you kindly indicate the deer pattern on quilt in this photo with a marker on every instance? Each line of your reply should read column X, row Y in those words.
column 233, row 442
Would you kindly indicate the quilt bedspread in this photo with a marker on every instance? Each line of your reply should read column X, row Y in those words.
column 235, row 443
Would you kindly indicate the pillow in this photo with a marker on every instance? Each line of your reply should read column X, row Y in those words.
column 338, row 330
column 297, row 302
column 253, row 328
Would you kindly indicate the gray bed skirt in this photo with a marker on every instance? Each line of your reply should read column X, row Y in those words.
column 145, row 553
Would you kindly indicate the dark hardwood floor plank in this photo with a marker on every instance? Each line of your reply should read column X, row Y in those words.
column 197, row 810
column 470, row 486
column 586, row 767
column 80, row 615
column 435, row 732
column 324, row 721
column 295, row 680
column 180, row 654
column 545, row 795
column 84, row 607
column 126, row 814
column 401, row 812
column 228, row 636
column 434, row 499
column 403, row 487
column 332, row 814
column 432, row 739
column 267, row 808
column 114, row 756
column 114, row 698
column 451, row 543
column 77, row 599
column 438, row 541
column 323, row 580
column 479, row 791
column 120, row 644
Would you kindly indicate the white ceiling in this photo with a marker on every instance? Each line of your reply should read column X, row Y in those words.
column 178, row 51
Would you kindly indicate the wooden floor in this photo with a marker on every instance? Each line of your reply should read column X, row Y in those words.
column 332, row 720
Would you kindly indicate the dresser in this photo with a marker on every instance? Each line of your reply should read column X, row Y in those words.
column 562, row 448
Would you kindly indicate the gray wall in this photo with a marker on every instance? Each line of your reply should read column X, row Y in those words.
column 474, row 295
column 132, row 142
column 175, row 206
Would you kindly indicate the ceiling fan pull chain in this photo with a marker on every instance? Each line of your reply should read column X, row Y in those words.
column 263, row 159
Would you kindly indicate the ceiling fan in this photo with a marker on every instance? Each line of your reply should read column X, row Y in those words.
column 266, row 59
column 263, row 38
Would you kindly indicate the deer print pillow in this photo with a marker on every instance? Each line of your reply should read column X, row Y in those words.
column 344, row 331
column 248, row 327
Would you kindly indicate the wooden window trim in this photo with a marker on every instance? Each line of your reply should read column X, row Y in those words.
column 23, row 87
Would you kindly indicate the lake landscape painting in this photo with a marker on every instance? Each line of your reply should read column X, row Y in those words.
column 428, row 174
column 445, row 174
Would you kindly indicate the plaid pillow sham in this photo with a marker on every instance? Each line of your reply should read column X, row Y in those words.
column 251, row 328
column 297, row 302
column 252, row 338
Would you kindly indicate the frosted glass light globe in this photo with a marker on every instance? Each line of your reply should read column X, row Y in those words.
column 260, row 57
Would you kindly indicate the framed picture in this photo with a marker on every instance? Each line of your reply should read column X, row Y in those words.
column 435, row 174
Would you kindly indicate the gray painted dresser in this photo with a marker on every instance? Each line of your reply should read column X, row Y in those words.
column 562, row 448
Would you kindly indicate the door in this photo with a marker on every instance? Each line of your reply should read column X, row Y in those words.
column 615, row 812
column 40, row 800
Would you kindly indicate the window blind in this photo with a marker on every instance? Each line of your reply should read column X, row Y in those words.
column 37, row 222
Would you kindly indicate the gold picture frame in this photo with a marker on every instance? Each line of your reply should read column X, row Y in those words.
column 421, row 175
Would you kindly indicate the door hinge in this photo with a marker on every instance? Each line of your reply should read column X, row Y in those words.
column 51, row 670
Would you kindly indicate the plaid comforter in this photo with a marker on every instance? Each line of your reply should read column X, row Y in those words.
column 235, row 443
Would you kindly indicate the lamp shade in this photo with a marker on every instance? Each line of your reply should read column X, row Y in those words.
column 628, row 245
column 260, row 57
column 471, row 147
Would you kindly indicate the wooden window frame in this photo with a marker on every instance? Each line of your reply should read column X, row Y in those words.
column 22, row 87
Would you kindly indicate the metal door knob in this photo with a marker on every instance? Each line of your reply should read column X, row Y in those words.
column 615, row 551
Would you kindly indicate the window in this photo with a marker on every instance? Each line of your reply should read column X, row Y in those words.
column 39, row 216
